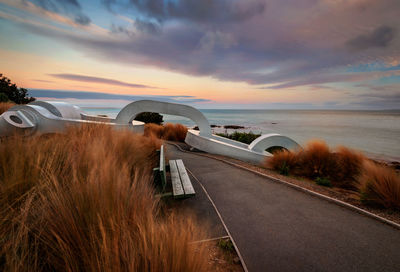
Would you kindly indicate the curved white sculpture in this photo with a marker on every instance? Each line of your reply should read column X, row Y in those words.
column 48, row 117
column 203, row 139
column 271, row 140
column 129, row 112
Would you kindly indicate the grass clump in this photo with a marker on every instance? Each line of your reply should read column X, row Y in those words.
column 380, row 185
column 323, row 182
column 4, row 106
column 84, row 201
column 283, row 161
column 226, row 245
column 377, row 184
column 170, row 132
column 317, row 160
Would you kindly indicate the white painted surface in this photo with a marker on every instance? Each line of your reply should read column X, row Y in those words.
column 129, row 112
column 269, row 140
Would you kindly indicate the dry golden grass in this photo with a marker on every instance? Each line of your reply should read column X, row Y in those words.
column 380, row 185
column 170, row 132
column 84, row 201
column 349, row 164
column 4, row 106
column 317, row 160
column 283, row 161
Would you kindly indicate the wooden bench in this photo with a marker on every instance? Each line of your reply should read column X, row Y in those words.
column 181, row 185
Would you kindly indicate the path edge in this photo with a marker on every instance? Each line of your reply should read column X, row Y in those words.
column 299, row 188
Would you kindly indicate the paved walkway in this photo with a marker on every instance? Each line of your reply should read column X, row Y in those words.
column 277, row 228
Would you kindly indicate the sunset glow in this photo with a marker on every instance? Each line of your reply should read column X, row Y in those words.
column 210, row 54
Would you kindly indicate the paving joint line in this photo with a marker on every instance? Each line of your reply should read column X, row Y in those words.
column 222, row 221
column 211, row 239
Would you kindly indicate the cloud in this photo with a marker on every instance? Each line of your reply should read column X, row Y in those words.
column 71, row 8
column 61, row 94
column 283, row 44
column 146, row 26
column 83, row 78
column 195, row 10
column 380, row 37
column 116, row 29
column 82, row 19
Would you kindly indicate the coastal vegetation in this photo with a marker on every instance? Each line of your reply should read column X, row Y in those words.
column 344, row 168
column 150, row 117
column 169, row 132
column 244, row 137
column 84, row 201
column 10, row 92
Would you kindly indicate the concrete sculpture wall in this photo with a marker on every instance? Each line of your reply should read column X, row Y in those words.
column 204, row 139
column 49, row 117
column 129, row 112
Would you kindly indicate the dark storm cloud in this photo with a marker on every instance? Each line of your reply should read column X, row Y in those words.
column 83, row 78
column 380, row 37
column 146, row 26
column 82, row 19
column 60, row 94
column 195, row 10
column 286, row 44
column 116, row 29
column 70, row 8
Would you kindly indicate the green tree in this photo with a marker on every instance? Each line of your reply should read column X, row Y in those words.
column 150, row 117
column 12, row 92
column 3, row 97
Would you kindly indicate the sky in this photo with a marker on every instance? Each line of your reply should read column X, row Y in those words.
column 237, row 54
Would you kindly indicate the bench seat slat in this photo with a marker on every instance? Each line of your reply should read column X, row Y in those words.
column 187, row 185
column 177, row 188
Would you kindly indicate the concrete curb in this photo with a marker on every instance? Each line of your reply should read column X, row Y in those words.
column 299, row 188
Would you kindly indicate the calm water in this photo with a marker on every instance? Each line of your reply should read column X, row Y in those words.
column 375, row 132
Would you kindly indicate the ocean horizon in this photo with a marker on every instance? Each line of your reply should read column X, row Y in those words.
column 374, row 132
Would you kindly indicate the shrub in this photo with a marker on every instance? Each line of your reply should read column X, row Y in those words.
column 349, row 164
column 3, row 97
column 150, row 117
column 84, row 201
column 13, row 93
column 316, row 160
column 379, row 185
column 170, row 132
column 283, row 162
column 226, row 245
column 244, row 137
column 323, row 182
column 4, row 106
column 175, row 132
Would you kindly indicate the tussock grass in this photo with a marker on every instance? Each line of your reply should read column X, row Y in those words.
column 4, row 106
column 317, row 160
column 344, row 168
column 380, row 185
column 284, row 162
column 170, row 132
column 84, row 201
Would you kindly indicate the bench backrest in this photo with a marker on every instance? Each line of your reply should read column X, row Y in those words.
column 163, row 170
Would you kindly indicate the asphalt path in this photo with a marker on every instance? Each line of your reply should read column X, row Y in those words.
column 278, row 228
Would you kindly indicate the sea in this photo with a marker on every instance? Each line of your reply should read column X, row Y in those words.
column 375, row 133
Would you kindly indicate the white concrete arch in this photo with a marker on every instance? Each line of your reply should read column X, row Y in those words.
column 269, row 140
column 129, row 112
column 48, row 117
